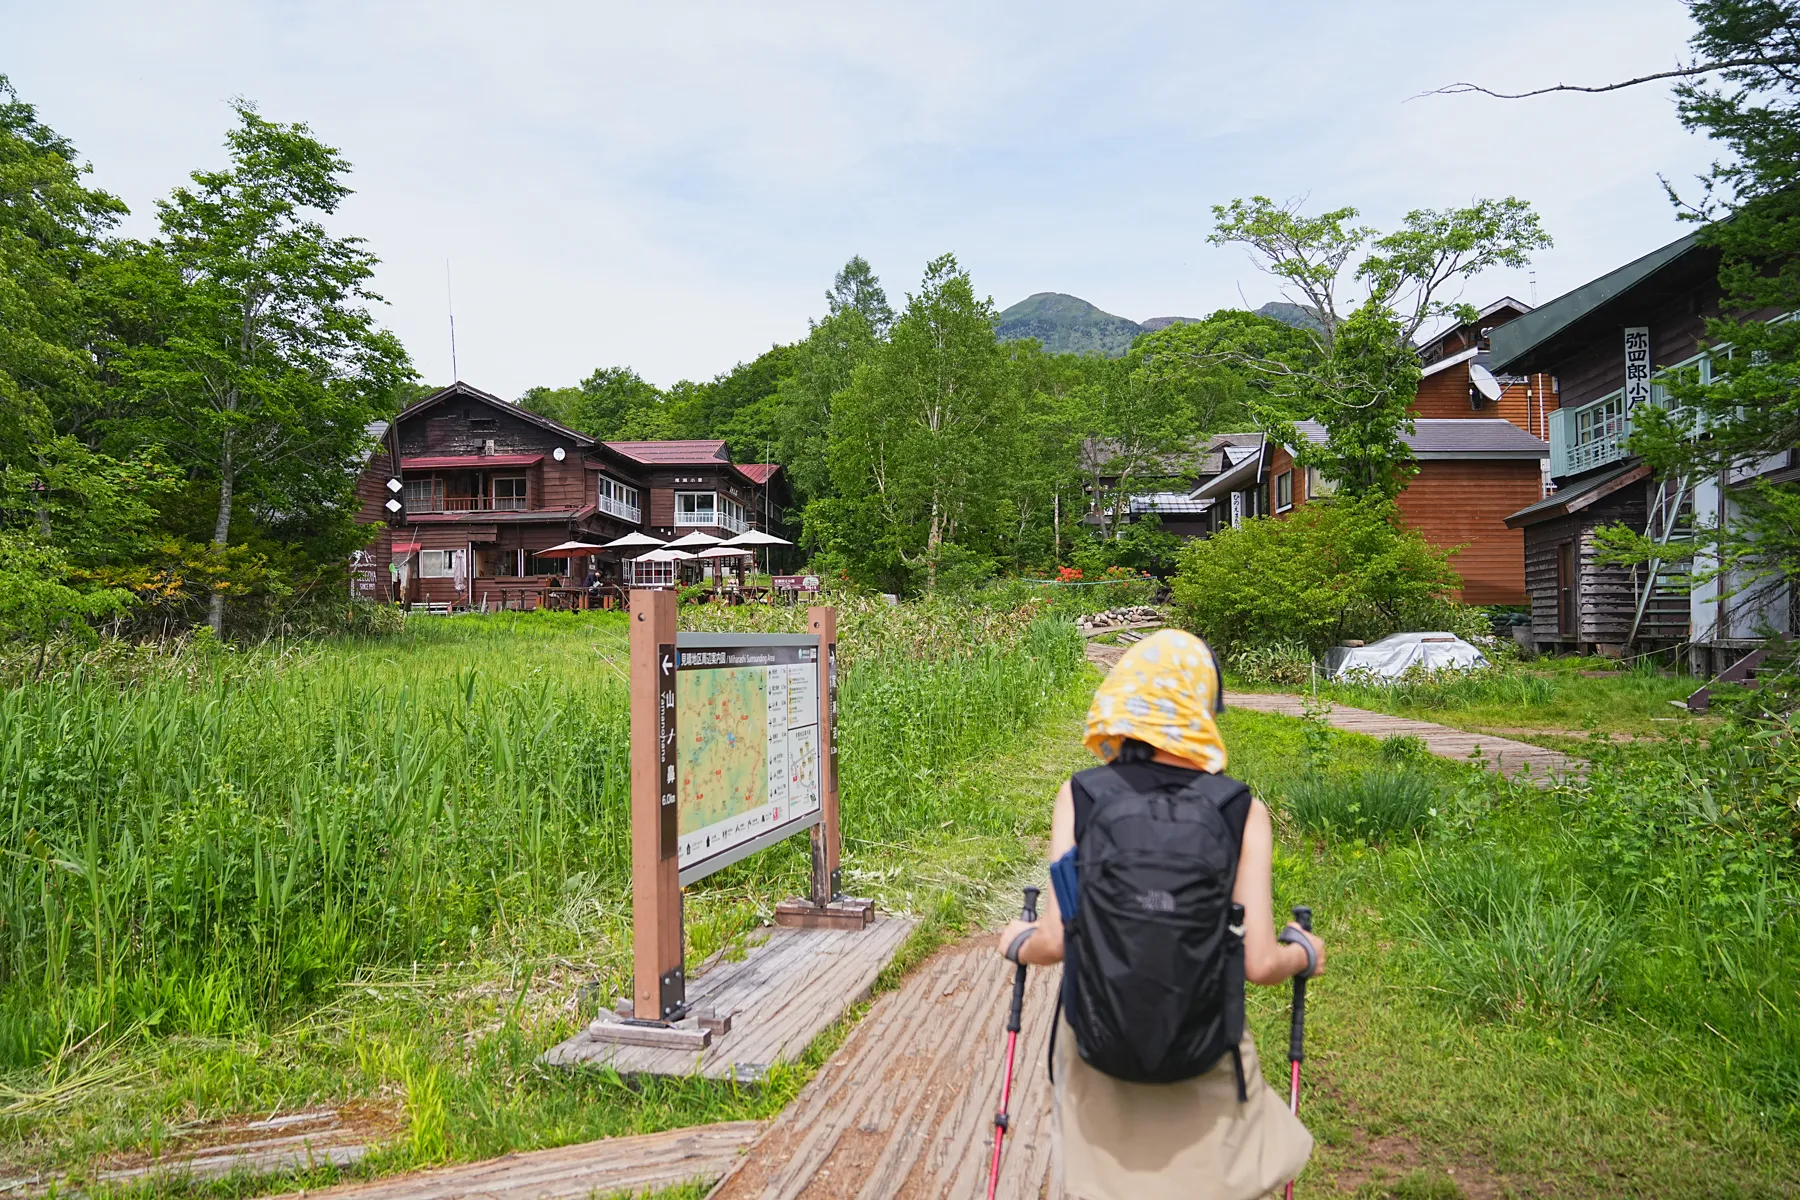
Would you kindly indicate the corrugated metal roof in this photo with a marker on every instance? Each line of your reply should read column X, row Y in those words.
column 1576, row 496
column 1454, row 437
column 1514, row 342
column 759, row 472
column 696, row 452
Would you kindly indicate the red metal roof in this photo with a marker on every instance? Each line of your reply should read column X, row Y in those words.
column 442, row 462
column 759, row 472
column 698, row 452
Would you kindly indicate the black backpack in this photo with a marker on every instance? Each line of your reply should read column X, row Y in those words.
column 1153, row 969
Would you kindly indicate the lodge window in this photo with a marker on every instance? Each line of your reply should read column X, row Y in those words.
column 436, row 564
column 696, row 508
column 621, row 500
column 1318, row 486
column 424, row 495
column 1284, row 491
column 652, row 574
column 483, row 425
column 509, row 493
column 709, row 508
column 545, row 566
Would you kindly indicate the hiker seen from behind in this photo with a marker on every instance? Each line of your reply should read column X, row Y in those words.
column 1160, row 909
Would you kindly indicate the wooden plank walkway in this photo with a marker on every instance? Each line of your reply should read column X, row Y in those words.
column 780, row 996
column 906, row 1107
column 1509, row 758
column 611, row 1166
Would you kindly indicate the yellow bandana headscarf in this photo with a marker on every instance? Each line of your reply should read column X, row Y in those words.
column 1164, row 692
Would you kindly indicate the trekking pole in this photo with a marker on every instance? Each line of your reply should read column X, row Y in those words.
column 1297, row 1032
column 1001, row 1120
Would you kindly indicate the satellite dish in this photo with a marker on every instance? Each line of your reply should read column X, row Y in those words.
column 1484, row 381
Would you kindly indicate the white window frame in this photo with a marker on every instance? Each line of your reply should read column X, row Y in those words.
column 437, row 564
column 619, row 499
column 652, row 574
column 695, row 519
column 1288, row 475
column 1318, row 486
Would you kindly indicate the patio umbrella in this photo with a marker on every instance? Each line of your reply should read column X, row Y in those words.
column 726, row 552
column 633, row 540
column 570, row 550
column 666, row 554
column 756, row 537
column 695, row 541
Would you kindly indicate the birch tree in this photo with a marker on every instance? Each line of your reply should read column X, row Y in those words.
column 926, row 428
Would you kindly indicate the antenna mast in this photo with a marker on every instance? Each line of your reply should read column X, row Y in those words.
column 450, row 304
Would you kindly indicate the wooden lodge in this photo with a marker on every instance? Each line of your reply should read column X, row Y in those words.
column 485, row 486
column 1607, row 342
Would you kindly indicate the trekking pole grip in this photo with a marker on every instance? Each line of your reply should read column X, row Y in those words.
column 1297, row 1031
column 1016, row 1013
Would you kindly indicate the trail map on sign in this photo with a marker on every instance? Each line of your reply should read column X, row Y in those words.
column 747, row 744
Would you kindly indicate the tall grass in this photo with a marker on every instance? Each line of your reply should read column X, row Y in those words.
column 1375, row 805
column 202, row 848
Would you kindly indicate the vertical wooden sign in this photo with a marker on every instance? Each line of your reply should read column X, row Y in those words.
column 828, row 878
column 659, row 991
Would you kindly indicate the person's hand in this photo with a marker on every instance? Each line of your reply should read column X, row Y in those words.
column 1013, row 929
column 1318, row 945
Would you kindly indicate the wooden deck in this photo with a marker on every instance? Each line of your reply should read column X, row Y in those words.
column 906, row 1107
column 1509, row 758
column 612, row 1166
column 785, row 992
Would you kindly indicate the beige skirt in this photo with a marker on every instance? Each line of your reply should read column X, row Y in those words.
column 1191, row 1140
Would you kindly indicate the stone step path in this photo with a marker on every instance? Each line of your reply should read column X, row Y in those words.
column 1512, row 759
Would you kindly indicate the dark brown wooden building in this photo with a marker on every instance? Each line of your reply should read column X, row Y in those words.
column 484, row 485
column 1607, row 342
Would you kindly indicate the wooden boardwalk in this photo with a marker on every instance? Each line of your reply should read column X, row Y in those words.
column 906, row 1107
column 780, row 996
column 1509, row 758
column 627, row 1166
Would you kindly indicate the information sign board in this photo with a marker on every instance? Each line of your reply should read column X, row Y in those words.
column 747, row 754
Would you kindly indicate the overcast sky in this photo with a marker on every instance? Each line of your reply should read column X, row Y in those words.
column 671, row 186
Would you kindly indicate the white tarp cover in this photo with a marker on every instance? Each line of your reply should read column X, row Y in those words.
column 1391, row 657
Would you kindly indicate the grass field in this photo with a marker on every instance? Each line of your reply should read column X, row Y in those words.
column 1587, row 992
column 391, row 873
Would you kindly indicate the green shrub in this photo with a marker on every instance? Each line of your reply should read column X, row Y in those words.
column 1287, row 664
column 1375, row 805
column 1401, row 748
column 1329, row 571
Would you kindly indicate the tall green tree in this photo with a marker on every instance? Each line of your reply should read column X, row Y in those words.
column 265, row 367
column 922, row 435
column 608, row 403
column 1367, row 369
column 857, row 319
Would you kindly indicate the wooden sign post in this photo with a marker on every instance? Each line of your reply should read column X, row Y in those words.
column 740, row 687
column 659, row 992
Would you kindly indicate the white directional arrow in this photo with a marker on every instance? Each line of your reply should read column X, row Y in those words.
column 666, row 664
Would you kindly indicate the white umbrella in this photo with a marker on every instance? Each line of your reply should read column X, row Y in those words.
column 665, row 555
column 633, row 540
column 726, row 552
column 695, row 541
column 569, row 550
column 756, row 537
